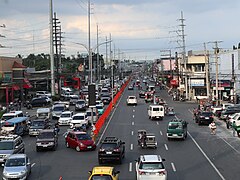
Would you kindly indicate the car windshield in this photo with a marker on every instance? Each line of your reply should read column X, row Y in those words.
column 105, row 95
column 83, row 137
column 175, row 126
column 155, row 109
column 131, row 97
column 66, row 115
column 99, row 107
column 78, row 118
column 15, row 162
column 90, row 114
column 46, row 135
column 80, row 102
column 42, row 115
column 101, row 177
column 38, row 123
column 151, row 165
column 108, row 145
column 7, row 117
column 6, row 145
column 58, row 108
column 206, row 114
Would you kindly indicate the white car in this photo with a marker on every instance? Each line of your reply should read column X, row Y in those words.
column 65, row 118
column 132, row 100
column 150, row 167
column 79, row 119
column 99, row 102
column 43, row 93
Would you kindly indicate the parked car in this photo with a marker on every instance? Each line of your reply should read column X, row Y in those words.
column 79, row 140
column 204, row 117
column 17, row 166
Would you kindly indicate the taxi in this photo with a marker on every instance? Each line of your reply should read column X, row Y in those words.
column 104, row 172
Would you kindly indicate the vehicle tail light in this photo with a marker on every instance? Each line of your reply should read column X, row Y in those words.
column 162, row 172
column 201, row 116
column 141, row 172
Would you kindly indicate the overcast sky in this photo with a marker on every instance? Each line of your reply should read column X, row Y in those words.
column 140, row 29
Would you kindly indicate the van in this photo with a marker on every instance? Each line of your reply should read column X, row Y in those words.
column 92, row 114
column 43, row 113
column 156, row 112
column 10, row 115
column 17, row 125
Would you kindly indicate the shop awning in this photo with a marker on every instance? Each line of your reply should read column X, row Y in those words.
column 15, row 87
column 26, row 84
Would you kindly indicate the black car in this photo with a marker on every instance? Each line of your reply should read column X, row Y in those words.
column 47, row 139
column 39, row 101
column 204, row 117
column 111, row 149
column 106, row 98
column 142, row 94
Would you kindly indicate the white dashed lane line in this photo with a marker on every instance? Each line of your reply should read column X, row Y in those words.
column 131, row 147
column 133, row 110
column 166, row 147
column 161, row 133
column 130, row 167
column 133, row 116
column 173, row 167
column 133, row 123
column 157, row 123
column 33, row 164
column 132, row 133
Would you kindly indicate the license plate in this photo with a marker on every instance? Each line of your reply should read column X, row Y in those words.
column 45, row 145
column 89, row 147
column 108, row 152
column 206, row 117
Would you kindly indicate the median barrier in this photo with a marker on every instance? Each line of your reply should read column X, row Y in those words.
column 107, row 112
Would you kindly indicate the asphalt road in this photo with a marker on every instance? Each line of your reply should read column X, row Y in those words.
column 200, row 156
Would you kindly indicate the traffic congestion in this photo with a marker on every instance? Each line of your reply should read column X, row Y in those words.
column 144, row 137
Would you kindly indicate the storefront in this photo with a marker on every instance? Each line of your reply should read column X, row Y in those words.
column 198, row 89
column 224, row 89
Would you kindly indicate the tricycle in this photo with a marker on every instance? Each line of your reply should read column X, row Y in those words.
column 146, row 140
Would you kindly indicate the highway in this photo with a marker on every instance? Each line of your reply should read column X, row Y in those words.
column 200, row 156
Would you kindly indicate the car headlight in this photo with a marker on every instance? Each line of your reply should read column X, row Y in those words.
column 51, row 143
column 38, row 144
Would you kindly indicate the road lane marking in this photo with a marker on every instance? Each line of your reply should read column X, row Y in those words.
column 211, row 163
column 130, row 167
column 110, row 119
column 131, row 147
column 133, row 123
column 132, row 133
column 157, row 123
column 204, row 154
column 173, row 167
column 133, row 110
column 166, row 147
column 229, row 145
column 133, row 116
column 33, row 164
column 161, row 133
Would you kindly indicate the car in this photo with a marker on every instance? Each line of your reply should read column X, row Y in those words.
column 38, row 125
column 65, row 118
column 73, row 99
column 99, row 102
column 150, row 167
column 100, row 109
column 130, row 87
column 65, row 103
column 80, row 105
column 47, row 139
column 10, row 144
column 79, row 140
column 111, row 149
column 79, row 119
column 17, row 166
column 104, row 173
column 57, row 110
column 177, row 129
column 43, row 93
column 106, row 98
column 204, row 117
column 39, row 102
column 132, row 100
column 10, row 115
column 92, row 114
column 142, row 94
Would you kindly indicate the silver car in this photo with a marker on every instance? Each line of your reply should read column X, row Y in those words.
column 17, row 166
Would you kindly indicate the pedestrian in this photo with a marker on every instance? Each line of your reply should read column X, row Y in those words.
column 213, row 127
column 234, row 128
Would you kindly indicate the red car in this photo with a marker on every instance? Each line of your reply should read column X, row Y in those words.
column 79, row 140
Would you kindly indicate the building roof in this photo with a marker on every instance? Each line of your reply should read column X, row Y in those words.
column 18, row 65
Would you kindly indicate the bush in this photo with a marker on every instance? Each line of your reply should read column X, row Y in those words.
column 56, row 98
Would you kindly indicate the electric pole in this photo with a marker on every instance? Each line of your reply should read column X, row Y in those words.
column 216, row 61
column 89, row 41
column 98, row 66
column 206, row 55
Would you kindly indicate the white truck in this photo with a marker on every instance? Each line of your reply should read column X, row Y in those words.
column 156, row 112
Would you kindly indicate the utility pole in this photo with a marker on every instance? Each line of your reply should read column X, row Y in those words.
column 89, row 41
column 216, row 61
column 98, row 65
column 206, row 54
column 234, row 82
column 106, row 52
column 51, row 49
column 182, row 25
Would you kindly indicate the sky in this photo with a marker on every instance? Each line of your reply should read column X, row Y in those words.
column 139, row 29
